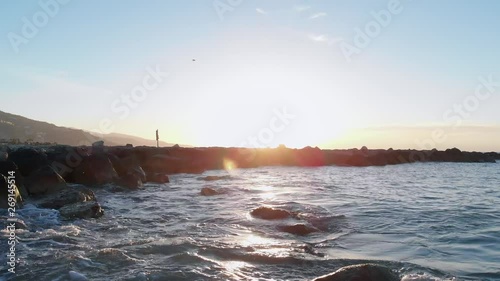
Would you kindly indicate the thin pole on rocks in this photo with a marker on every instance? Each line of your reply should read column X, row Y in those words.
column 157, row 138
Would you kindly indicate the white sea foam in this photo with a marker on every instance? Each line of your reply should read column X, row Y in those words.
column 423, row 277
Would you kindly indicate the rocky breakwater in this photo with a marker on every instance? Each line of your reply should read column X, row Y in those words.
column 62, row 177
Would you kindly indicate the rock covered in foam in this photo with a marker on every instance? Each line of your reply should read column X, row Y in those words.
column 361, row 272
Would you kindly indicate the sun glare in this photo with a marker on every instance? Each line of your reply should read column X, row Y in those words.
column 229, row 165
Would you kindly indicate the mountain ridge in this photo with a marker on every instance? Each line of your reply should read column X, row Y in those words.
column 15, row 127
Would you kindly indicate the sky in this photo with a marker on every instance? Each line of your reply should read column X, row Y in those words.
column 333, row 74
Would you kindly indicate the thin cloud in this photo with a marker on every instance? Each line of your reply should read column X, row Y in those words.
column 324, row 38
column 261, row 11
column 300, row 9
column 318, row 37
column 318, row 15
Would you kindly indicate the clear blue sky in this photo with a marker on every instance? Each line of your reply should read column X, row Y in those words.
column 260, row 56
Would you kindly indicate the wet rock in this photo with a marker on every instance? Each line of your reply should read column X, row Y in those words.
column 267, row 213
column 28, row 160
column 67, row 196
column 298, row 229
column 158, row 178
column 215, row 178
column 208, row 191
column 5, row 192
column 82, row 210
column 45, row 181
column 131, row 181
column 361, row 272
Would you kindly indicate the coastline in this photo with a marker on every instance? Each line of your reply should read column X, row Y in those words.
column 45, row 173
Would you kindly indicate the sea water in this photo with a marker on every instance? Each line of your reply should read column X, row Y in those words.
column 426, row 221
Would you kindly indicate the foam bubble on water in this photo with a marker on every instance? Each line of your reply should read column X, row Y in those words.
column 39, row 216
column 423, row 277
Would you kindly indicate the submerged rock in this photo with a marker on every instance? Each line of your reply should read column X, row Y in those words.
column 45, row 181
column 82, row 210
column 158, row 178
column 298, row 229
column 215, row 178
column 267, row 213
column 208, row 191
column 361, row 272
column 68, row 196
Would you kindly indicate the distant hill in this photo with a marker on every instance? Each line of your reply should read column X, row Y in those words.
column 16, row 127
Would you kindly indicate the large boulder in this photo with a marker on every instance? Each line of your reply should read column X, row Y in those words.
column 130, row 181
column 28, row 160
column 82, row 210
column 95, row 169
column 129, row 165
column 45, row 181
column 9, row 166
column 161, row 163
column 6, row 193
column 67, row 196
column 361, row 272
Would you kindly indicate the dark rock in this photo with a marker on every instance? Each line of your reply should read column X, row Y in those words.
column 44, row 181
column 361, row 272
column 208, row 191
column 94, row 170
column 158, row 178
column 267, row 213
column 215, row 178
column 5, row 192
column 131, row 181
column 98, row 147
column 298, row 229
column 82, row 210
column 129, row 165
column 28, row 160
column 67, row 196
column 161, row 163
